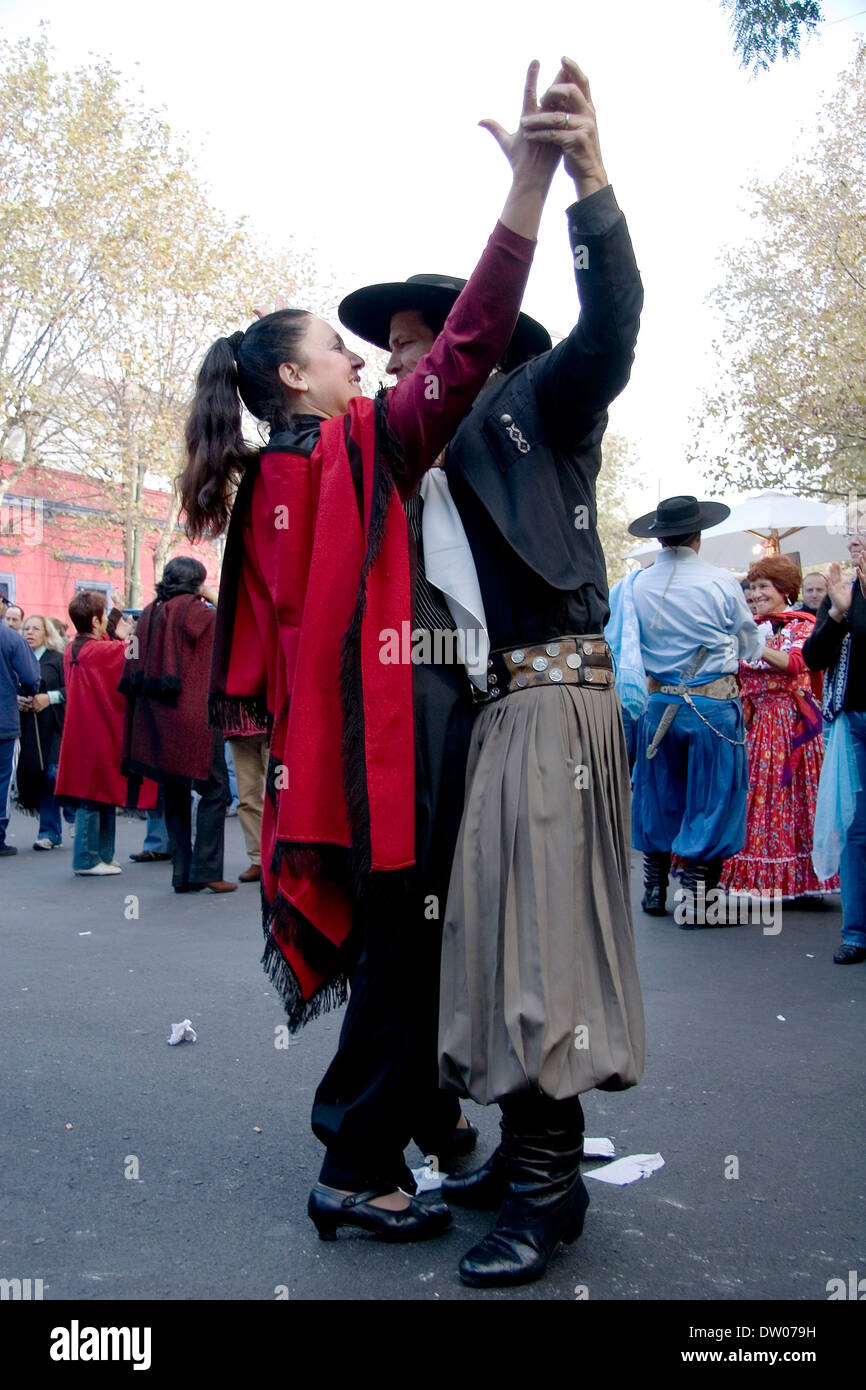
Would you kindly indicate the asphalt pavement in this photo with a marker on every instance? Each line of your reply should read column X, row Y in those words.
column 134, row 1170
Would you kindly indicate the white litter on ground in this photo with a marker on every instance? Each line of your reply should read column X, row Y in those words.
column 598, row 1148
column 428, row 1178
column 628, row 1169
column 181, row 1032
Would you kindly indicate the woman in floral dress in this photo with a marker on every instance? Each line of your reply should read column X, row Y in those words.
column 784, row 744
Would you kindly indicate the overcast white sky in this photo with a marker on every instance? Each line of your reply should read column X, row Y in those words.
column 353, row 128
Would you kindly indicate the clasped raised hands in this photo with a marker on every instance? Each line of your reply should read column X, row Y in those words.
column 567, row 121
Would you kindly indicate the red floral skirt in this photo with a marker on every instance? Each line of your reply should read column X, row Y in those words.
column 777, row 855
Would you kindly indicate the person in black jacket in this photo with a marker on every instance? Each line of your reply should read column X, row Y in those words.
column 41, row 730
column 540, row 999
column 838, row 646
column 19, row 672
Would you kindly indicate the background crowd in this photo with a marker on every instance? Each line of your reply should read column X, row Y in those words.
column 114, row 715
column 801, row 687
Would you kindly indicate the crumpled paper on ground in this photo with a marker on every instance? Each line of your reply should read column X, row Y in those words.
column 598, row 1148
column 181, row 1032
column 628, row 1169
column 428, row 1178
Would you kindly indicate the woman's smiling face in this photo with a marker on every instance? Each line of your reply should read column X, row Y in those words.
column 765, row 598
column 325, row 378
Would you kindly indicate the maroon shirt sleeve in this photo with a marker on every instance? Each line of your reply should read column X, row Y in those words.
column 425, row 408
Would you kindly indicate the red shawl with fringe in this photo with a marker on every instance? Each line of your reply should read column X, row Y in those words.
column 316, row 568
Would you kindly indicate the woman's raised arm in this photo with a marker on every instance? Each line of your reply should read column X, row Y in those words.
column 425, row 408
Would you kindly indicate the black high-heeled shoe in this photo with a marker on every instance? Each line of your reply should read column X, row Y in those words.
column 328, row 1210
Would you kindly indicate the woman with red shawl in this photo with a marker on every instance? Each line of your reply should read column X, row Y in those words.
column 317, row 567
column 784, row 745
column 89, row 775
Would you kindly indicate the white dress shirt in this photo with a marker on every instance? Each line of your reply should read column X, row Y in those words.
column 683, row 603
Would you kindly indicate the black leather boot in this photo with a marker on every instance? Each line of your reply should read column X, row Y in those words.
column 483, row 1189
column 699, row 877
column 545, row 1198
column 656, row 870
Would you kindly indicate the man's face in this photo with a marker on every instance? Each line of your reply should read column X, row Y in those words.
column 814, row 591
column 14, row 617
column 856, row 546
column 409, row 339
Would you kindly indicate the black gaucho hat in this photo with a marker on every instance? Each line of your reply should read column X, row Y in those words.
column 368, row 312
column 680, row 516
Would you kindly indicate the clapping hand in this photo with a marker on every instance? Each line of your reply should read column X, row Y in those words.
column 840, row 590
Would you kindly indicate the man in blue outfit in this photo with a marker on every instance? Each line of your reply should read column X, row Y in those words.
column 19, row 674
column 691, row 773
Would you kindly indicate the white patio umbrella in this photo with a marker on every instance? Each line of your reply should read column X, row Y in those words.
column 774, row 522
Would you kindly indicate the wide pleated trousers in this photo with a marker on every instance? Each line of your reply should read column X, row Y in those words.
column 539, row 983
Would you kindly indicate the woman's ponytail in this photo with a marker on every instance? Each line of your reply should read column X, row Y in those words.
column 216, row 450
column 243, row 368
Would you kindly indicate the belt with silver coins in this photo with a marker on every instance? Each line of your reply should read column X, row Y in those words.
column 581, row 660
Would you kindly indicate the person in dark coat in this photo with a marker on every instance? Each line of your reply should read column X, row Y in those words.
column 537, row 930
column 166, row 733
column 41, row 730
column 19, row 673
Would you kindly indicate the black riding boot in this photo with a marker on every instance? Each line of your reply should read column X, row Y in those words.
column 656, row 869
column 545, row 1199
column 699, row 877
column 484, row 1188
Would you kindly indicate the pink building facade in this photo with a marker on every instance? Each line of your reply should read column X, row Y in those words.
column 57, row 536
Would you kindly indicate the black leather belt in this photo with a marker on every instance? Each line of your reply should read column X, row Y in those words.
column 578, row 660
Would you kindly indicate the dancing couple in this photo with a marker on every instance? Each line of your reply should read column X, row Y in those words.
column 478, row 809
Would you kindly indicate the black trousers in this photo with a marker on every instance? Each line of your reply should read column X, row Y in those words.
column 202, row 863
column 382, row 1088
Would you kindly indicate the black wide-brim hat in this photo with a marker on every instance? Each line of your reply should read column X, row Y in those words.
column 680, row 516
column 368, row 312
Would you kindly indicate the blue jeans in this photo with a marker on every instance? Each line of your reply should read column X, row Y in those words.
column 94, row 835
column 7, row 754
column 156, row 839
column 852, row 869
column 233, row 781
column 50, row 824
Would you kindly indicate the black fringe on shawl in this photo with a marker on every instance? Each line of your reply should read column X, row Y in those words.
column 311, row 861
column 238, row 712
column 165, row 689
column 316, row 950
column 388, row 464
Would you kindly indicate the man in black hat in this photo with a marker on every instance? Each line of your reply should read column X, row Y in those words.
column 691, row 774
column 508, row 550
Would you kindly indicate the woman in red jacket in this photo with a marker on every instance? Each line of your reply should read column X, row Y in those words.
column 89, row 774
column 317, row 567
